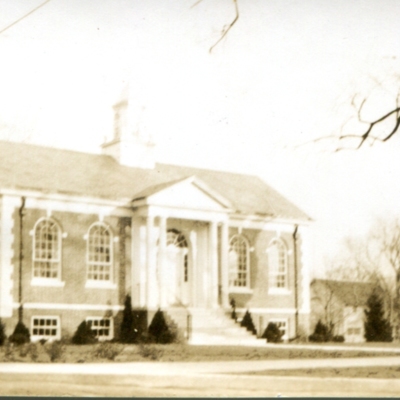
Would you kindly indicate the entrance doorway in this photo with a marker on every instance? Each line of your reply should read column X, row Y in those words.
column 177, row 268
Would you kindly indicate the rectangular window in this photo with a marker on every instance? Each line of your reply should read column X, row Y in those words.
column 44, row 327
column 354, row 331
column 102, row 327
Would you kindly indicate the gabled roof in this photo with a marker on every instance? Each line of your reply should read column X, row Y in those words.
column 50, row 170
column 351, row 293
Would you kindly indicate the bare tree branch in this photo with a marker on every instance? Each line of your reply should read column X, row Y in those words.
column 228, row 27
column 369, row 134
column 23, row 17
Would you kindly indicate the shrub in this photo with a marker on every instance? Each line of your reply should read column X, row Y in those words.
column 377, row 327
column 272, row 333
column 84, row 334
column 20, row 335
column 107, row 350
column 150, row 351
column 338, row 338
column 127, row 333
column 133, row 325
column 233, row 313
column 247, row 323
column 161, row 332
column 3, row 336
column 54, row 350
column 321, row 333
column 315, row 337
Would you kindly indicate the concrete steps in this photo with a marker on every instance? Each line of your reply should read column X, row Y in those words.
column 211, row 327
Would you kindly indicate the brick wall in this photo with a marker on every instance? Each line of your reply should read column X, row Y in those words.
column 73, row 268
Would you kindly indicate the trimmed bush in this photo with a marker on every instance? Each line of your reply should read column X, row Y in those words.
column 338, row 338
column 3, row 336
column 321, row 333
column 127, row 334
column 160, row 331
column 317, row 338
column 247, row 323
column 20, row 335
column 377, row 327
column 134, row 324
column 272, row 333
column 84, row 335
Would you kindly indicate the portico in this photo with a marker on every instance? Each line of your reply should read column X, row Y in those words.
column 181, row 252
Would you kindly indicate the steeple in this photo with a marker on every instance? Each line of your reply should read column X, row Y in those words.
column 128, row 146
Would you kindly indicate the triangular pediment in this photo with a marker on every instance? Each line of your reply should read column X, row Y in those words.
column 189, row 193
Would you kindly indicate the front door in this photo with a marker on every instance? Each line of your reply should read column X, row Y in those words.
column 177, row 269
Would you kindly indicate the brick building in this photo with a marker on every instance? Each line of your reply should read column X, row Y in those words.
column 80, row 231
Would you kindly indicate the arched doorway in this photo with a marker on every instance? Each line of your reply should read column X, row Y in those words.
column 177, row 268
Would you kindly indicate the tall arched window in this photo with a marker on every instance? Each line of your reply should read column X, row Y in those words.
column 177, row 239
column 47, row 249
column 239, row 262
column 99, row 253
column 278, row 262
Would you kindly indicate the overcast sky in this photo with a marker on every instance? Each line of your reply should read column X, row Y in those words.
column 284, row 74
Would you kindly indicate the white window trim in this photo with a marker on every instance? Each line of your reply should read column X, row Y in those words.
column 96, row 283
column 285, row 337
column 247, row 288
column 36, row 281
column 273, row 289
column 279, row 291
column 35, row 338
column 111, row 335
column 240, row 289
column 48, row 282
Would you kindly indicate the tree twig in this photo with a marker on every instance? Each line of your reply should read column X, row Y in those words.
column 24, row 16
column 228, row 27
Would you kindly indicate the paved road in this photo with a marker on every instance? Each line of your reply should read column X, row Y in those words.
column 158, row 379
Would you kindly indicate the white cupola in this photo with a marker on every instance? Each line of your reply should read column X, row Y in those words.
column 129, row 146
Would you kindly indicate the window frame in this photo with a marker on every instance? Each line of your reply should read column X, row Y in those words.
column 44, row 280
column 246, row 270
column 275, row 273
column 111, row 327
column 37, row 337
column 90, row 282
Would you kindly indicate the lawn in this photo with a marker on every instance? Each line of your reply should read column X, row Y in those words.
column 115, row 352
column 388, row 372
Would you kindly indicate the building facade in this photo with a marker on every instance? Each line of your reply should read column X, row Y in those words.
column 81, row 231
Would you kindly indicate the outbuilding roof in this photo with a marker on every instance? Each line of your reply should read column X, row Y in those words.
column 353, row 294
column 52, row 170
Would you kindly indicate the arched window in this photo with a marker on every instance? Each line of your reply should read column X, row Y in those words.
column 239, row 263
column 177, row 239
column 99, row 253
column 47, row 249
column 277, row 261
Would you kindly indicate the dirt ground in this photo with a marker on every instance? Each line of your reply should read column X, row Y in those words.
column 192, row 386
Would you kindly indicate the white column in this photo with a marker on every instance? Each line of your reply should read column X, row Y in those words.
column 224, row 264
column 161, row 261
column 213, row 265
column 136, row 290
column 193, row 277
column 150, row 263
